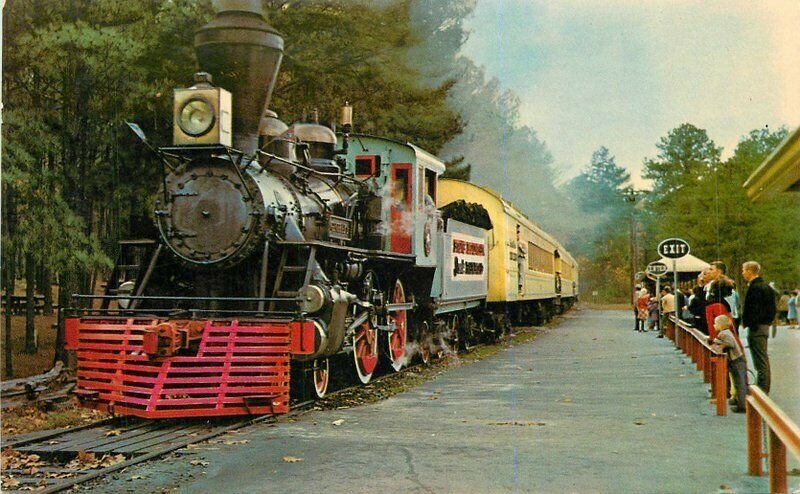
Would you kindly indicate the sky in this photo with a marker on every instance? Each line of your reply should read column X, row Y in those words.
column 623, row 73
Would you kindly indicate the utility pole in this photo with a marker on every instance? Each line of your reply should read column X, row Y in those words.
column 630, row 197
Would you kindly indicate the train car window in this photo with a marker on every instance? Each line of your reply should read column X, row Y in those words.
column 539, row 259
column 367, row 166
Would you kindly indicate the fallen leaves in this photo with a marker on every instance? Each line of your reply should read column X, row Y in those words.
column 13, row 459
column 9, row 482
column 90, row 461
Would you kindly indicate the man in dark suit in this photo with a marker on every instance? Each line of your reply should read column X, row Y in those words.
column 758, row 313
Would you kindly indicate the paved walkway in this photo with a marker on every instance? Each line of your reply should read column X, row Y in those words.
column 589, row 406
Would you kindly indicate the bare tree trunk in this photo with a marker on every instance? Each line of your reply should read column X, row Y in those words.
column 47, row 290
column 31, row 338
column 7, row 268
column 8, row 284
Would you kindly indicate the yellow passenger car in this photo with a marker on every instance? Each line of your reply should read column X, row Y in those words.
column 526, row 264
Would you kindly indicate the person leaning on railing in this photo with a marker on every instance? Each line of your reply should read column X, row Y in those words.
column 717, row 289
column 757, row 316
column 737, row 363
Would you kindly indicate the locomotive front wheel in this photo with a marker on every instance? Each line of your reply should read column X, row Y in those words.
column 322, row 374
column 397, row 339
column 365, row 351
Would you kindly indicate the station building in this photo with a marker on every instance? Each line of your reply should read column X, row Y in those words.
column 779, row 173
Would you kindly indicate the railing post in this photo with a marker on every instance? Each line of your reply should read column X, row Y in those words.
column 698, row 356
column 777, row 465
column 754, row 446
column 719, row 385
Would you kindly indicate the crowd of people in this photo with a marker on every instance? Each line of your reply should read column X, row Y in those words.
column 715, row 308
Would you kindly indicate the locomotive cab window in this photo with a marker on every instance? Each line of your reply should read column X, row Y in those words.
column 430, row 184
column 400, row 192
column 368, row 166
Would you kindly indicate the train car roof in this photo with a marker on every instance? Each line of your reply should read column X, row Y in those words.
column 423, row 157
column 514, row 211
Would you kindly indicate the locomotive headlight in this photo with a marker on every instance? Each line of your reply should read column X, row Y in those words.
column 196, row 117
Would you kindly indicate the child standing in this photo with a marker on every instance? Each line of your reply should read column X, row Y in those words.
column 652, row 314
column 737, row 363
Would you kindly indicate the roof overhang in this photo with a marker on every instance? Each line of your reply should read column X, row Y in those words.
column 780, row 172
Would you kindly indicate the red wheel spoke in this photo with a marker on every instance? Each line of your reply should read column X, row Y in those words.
column 365, row 351
column 398, row 338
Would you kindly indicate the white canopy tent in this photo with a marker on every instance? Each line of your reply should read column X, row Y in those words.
column 686, row 264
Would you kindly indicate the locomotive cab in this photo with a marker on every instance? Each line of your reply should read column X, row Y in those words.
column 403, row 218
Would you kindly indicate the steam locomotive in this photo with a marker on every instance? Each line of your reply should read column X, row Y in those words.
column 285, row 252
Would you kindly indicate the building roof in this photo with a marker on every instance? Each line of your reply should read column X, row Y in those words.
column 780, row 172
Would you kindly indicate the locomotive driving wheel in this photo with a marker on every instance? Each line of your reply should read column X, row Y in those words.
column 365, row 350
column 321, row 373
column 397, row 338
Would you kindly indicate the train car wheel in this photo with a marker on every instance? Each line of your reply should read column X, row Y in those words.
column 456, row 341
column 469, row 333
column 365, row 351
column 397, row 339
column 321, row 373
column 424, row 343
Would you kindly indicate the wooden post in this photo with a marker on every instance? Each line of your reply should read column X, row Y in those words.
column 720, row 388
column 754, row 446
column 777, row 465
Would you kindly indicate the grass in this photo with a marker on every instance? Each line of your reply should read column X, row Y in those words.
column 607, row 306
column 29, row 365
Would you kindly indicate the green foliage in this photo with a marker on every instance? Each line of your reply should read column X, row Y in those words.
column 357, row 52
column 701, row 200
column 75, row 71
column 685, row 155
column 600, row 235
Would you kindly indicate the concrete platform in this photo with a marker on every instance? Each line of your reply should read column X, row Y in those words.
column 589, row 406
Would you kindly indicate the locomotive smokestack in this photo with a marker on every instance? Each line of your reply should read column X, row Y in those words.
column 243, row 53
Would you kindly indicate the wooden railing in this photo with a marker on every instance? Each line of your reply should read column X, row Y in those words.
column 709, row 360
column 783, row 434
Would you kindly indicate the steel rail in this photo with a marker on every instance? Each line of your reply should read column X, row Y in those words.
column 783, row 434
column 296, row 409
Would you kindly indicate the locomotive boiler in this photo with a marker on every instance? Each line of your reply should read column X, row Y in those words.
column 284, row 251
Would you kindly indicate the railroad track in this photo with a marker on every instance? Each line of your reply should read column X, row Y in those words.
column 56, row 460
column 52, row 461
